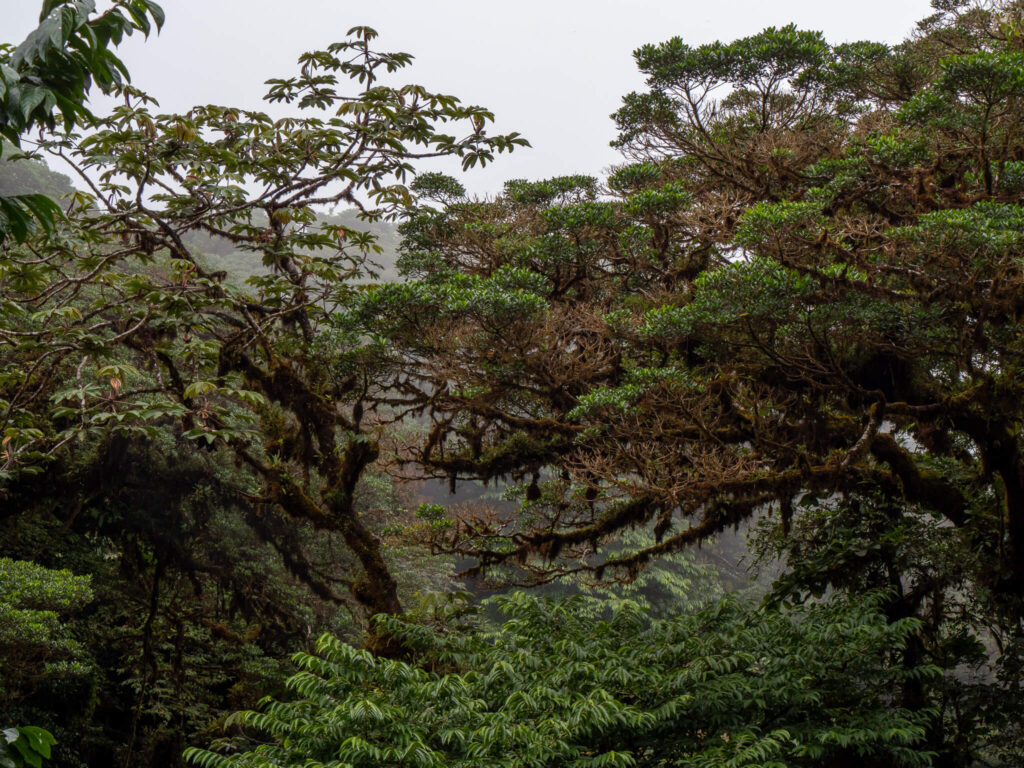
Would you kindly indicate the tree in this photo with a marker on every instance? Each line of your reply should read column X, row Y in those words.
column 120, row 325
column 37, row 649
column 49, row 76
column 804, row 289
column 193, row 440
column 561, row 684
column 799, row 300
column 100, row 420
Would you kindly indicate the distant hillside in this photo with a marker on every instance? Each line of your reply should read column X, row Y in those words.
column 221, row 254
column 20, row 175
column 387, row 238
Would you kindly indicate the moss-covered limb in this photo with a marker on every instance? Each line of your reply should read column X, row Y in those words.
column 634, row 511
column 920, row 486
column 515, row 455
column 725, row 504
column 718, row 514
column 715, row 520
column 987, row 415
column 283, row 489
column 341, row 468
column 376, row 589
column 494, row 414
column 490, row 543
column 1003, row 456
column 282, row 535
column 721, row 487
column 281, row 384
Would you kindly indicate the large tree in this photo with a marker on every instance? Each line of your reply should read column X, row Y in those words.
column 808, row 283
column 114, row 324
column 799, row 302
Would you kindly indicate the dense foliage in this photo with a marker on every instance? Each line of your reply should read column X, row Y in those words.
column 799, row 300
column 120, row 329
column 124, row 347
column 809, row 287
column 35, row 645
column 794, row 309
column 558, row 684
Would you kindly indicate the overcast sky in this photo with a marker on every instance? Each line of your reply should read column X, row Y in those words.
column 553, row 70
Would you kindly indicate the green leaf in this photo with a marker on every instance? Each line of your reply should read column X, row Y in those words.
column 30, row 99
column 199, row 388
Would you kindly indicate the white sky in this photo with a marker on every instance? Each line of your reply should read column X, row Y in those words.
column 554, row 70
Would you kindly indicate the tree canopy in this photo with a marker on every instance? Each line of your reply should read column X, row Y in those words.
column 140, row 335
column 806, row 286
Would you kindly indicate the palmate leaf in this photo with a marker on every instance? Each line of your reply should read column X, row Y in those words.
column 52, row 70
column 21, row 215
column 25, row 745
column 15, row 219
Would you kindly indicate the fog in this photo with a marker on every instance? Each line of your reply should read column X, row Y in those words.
column 554, row 71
